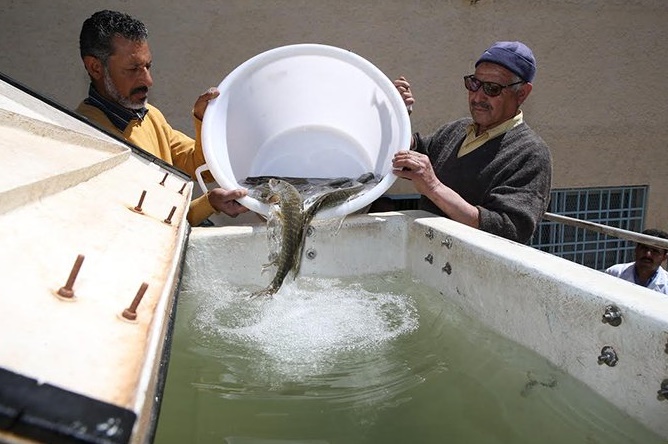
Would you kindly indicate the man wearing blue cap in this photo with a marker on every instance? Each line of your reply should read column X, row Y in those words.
column 490, row 171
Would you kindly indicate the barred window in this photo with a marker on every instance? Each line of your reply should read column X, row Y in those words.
column 620, row 207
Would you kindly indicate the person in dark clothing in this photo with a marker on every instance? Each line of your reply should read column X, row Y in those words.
column 490, row 171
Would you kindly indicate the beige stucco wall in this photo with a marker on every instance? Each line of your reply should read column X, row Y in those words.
column 598, row 99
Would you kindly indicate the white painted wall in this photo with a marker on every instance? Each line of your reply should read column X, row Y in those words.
column 597, row 100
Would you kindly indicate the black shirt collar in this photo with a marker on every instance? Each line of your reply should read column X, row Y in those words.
column 118, row 115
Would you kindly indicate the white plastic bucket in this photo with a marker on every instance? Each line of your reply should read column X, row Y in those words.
column 310, row 111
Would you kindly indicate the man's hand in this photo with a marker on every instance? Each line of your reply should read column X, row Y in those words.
column 203, row 101
column 225, row 201
column 404, row 88
column 416, row 167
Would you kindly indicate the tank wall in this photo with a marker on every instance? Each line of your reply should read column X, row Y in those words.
column 555, row 307
column 333, row 249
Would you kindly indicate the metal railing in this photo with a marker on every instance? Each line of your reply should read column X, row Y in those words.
column 607, row 230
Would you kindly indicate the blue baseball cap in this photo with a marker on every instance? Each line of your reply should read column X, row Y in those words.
column 514, row 56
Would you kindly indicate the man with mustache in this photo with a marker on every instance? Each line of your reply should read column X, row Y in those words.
column 116, row 55
column 646, row 270
column 490, row 171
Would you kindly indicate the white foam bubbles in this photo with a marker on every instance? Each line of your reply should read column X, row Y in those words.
column 309, row 325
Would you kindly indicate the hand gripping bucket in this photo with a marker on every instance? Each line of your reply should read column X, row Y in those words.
column 306, row 110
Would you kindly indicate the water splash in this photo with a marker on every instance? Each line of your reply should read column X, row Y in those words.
column 316, row 337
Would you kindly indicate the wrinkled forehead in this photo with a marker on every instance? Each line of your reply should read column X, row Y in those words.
column 124, row 45
column 137, row 51
column 491, row 72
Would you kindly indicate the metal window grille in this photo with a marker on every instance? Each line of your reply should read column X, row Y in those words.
column 620, row 207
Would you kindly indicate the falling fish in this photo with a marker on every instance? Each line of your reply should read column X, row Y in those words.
column 291, row 218
column 293, row 215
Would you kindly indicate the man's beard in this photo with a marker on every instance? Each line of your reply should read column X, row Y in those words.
column 125, row 102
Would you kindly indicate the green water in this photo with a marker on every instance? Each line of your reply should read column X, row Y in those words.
column 334, row 361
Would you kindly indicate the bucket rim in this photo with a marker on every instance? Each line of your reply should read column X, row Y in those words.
column 229, row 181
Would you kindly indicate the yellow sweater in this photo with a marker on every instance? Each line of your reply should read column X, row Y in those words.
column 155, row 135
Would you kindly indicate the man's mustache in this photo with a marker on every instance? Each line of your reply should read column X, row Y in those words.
column 141, row 89
column 483, row 105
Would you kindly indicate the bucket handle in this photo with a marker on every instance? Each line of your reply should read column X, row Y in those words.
column 198, row 173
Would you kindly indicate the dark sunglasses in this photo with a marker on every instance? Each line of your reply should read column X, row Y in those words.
column 489, row 88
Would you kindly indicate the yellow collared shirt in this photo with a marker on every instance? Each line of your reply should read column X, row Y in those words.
column 472, row 141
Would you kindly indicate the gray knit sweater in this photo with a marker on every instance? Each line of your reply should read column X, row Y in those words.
column 508, row 178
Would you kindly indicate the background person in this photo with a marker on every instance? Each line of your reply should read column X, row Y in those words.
column 490, row 171
column 117, row 57
column 646, row 270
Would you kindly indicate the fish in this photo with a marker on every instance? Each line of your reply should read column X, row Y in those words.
column 329, row 199
column 293, row 216
column 290, row 216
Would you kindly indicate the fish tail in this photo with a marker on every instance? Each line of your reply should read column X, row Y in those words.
column 269, row 291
